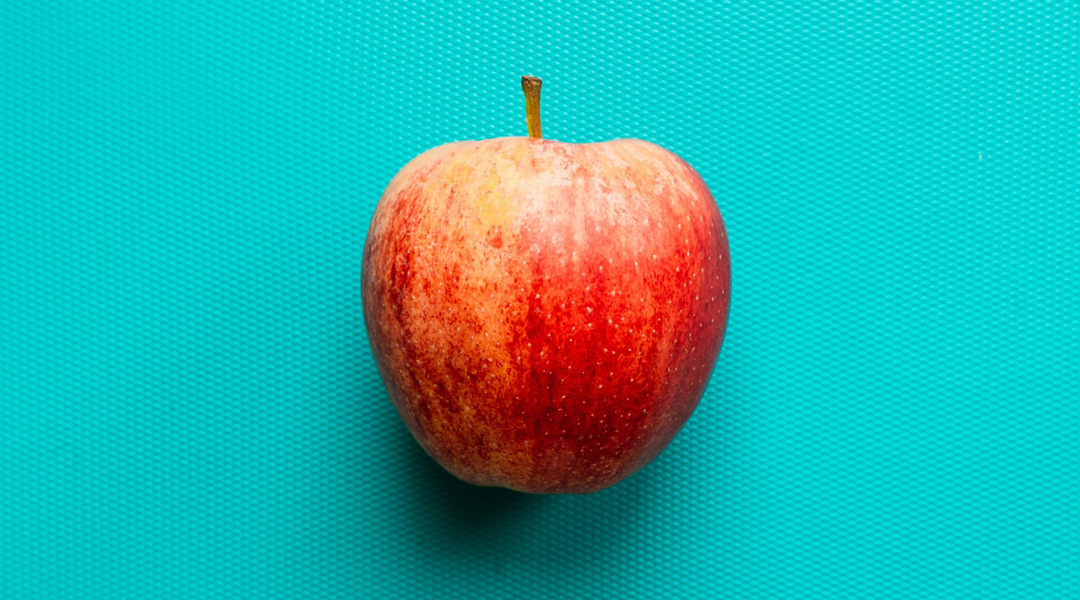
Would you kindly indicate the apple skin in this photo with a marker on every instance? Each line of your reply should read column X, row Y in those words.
column 546, row 315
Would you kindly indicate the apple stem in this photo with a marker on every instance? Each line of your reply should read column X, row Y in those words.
column 531, row 85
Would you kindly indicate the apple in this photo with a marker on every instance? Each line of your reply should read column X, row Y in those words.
column 545, row 315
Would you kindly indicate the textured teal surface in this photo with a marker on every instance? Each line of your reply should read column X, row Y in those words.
column 188, row 405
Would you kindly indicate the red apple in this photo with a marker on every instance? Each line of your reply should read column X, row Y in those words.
column 546, row 315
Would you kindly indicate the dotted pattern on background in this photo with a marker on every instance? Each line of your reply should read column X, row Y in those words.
column 189, row 408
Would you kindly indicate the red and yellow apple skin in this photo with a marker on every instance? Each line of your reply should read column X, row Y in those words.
column 546, row 315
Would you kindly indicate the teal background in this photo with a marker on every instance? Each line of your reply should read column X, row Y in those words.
column 189, row 408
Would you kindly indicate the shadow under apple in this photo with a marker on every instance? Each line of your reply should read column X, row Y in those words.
column 467, row 507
